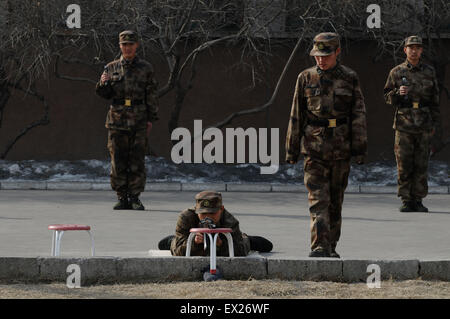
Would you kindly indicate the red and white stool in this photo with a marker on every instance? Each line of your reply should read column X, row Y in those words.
column 213, row 247
column 58, row 231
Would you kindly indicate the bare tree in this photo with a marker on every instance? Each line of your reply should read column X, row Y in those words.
column 34, row 40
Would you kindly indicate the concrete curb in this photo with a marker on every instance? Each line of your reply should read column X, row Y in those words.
column 111, row 270
column 223, row 187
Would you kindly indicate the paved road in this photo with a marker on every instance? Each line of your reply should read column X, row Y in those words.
column 372, row 226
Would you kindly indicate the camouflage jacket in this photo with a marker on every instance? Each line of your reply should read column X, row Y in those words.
column 130, row 80
column 423, row 90
column 321, row 96
column 189, row 219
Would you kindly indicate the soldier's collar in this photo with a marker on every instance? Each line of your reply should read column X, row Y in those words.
column 419, row 65
column 128, row 62
column 334, row 71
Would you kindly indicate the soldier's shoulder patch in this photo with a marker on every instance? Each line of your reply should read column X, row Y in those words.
column 347, row 73
column 399, row 68
column 428, row 67
column 189, row 211
column 145, row 65
column 113, row 63
column 309, row 73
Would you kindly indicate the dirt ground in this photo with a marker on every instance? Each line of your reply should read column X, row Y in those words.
column 252, row 289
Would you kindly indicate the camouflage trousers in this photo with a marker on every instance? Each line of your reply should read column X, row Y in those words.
column 127, row 150
column 326, row 182
column 411, row 153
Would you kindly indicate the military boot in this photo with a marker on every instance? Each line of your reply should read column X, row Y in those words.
column 164, row 244
column 420, row 207
column 319, row 253
column 121, row 204
column 334, row 254
column 135, row 203
column 260, row 244
column 407, row 207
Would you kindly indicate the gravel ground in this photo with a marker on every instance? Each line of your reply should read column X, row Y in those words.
column 252, row 289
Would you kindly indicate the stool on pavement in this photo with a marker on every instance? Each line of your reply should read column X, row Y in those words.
column 213, row 241
column 58, row 231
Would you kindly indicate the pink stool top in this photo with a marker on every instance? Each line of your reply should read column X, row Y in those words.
column 211, row 231
column 69, row 227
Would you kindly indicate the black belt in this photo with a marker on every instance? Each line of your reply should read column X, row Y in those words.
column 127, row 102
column 412, row 105
column 328, row 122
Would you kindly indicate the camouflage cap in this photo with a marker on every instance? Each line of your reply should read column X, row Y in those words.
column 325, row 44
column 128, row 36
column 208, row 202
column 414, row 39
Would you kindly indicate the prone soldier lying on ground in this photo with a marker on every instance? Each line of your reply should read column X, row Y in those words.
column 210, row 213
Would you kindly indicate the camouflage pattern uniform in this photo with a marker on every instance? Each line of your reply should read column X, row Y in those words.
column 208, row 202
column 328, row 126
column 416, row 115
column 133, row 88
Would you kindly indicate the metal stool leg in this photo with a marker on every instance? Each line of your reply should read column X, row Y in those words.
column 92, row 243
column 230, row 244
column 212, row 257
column 189, row 244
column 53, row 242
column 59, row 235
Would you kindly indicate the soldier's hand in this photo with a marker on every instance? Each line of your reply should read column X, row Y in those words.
column 403, row 90
column 104, row 78
column 290, row 162
column 198, row 239
column 360, row 159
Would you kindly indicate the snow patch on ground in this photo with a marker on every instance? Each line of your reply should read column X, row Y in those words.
column 383, row 173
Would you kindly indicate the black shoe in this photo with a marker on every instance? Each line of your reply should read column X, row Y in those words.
column 420, row 207
column 334, row 254
column 260, row 244
column 135, row 203
column 319, row 253
column 164, row 244
column 121, row 204
column 407, row 207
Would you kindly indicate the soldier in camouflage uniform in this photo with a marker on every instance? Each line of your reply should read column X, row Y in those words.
column 130, row 83
column 412, row 89
column 327, row 125
column 209, row 206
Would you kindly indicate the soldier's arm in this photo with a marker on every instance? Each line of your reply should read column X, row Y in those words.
column 391, row 91
column 358, row 121
column 151, row 97
column 179, row 243
column 295, row 126
column 239, row 246
column 104, row 89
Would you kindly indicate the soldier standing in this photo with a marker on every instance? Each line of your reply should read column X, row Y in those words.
column 327, row 125
column 412, row 89
column 130, row 83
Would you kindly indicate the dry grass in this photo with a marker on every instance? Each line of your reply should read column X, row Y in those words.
column 233, row 290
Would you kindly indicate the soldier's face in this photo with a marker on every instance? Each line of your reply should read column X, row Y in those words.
column 214, row 216
column 129, row 50
column 413, row 52
column 329, row 61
